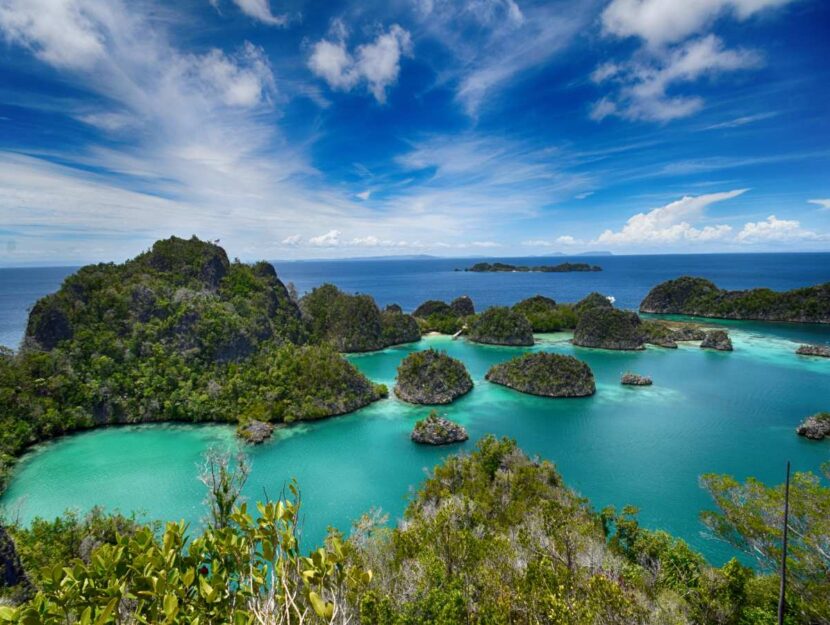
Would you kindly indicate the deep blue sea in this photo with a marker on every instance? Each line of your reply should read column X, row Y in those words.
column 410, row 282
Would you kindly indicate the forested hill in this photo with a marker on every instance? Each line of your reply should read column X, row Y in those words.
column 179, row 333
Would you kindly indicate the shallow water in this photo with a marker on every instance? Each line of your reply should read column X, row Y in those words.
column 707, row 412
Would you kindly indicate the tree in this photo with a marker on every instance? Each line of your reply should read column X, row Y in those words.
column 749, row 517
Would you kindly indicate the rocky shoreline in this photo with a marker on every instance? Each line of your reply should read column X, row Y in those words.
column 634, row 379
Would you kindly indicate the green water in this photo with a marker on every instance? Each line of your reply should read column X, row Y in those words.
column 720, row 412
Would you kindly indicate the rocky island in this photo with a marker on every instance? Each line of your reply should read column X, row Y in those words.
column 822, row 351
column 718, row 340
column 501, row 326
column 432, row 377
column 699, row 297
column 634, row 379
column 178, row 333
column 507, row 268
column 609, row 328
column 545, row 374
column 437, row 430
column 815, row 427
column 255, row 432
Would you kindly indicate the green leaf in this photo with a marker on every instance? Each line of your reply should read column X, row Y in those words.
column 324, row 609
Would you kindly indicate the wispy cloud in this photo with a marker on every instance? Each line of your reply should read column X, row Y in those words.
column 510, row 41
column 742, row 121
column 643, row 85
column 822, row 204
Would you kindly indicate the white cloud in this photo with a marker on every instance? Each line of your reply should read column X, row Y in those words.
column 365, row 195
column 823, row 204
column 329, row 239
column 561, row 241
column 292, row 241
column 485, row 244
column 377, row 63
column 661, row 22
column 644, row 84
column 582, row 196
column 63, row 33
column 672, row 223
column 260, row 10
column 776, row 230
column 370, row 241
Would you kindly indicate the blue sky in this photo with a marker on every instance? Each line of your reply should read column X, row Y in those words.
column 300, row 129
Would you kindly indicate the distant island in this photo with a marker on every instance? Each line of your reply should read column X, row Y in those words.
column 507, row 268
column 698, row 297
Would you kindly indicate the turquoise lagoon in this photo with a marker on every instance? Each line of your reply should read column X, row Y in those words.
column 707, row 412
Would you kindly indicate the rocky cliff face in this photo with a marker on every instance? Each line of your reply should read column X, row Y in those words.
column 12, row 575
column 702, row 298
column 432, row 377
column 548, row 375
column 609, row 328
column 463, row 306
column 501, row 326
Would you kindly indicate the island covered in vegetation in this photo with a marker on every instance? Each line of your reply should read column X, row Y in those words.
column 545, row 374
column 699, row 297
column 432, row 377
column 180, row 333
column 508, row 268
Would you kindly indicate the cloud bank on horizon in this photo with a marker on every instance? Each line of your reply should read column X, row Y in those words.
column 289, row 129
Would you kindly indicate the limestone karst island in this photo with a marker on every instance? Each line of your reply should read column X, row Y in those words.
column 457, row 312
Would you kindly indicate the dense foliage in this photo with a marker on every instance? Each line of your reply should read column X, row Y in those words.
column 432, row 377
column 700, row 297
column 545, row 315
column 490, row 537
column 501, row 326
column 592, row 300
column 437, row 316
column 177, row 334
column 549, row 375
column 354, row 323
column 609, row 328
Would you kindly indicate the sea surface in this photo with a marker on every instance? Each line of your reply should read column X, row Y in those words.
column 707, row 412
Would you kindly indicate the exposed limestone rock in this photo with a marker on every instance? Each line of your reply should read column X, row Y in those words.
column 436, row 430
column 718, row 340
